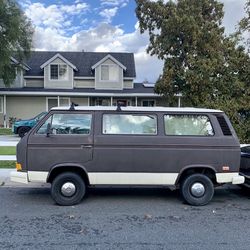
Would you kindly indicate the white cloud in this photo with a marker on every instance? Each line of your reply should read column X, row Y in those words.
column 53, row 16
column 108, row 14
column 121, row 3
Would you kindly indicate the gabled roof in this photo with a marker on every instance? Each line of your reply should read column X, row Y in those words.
column 23, row 65
column 58, row 55
column 106, row 58
column 83, row 61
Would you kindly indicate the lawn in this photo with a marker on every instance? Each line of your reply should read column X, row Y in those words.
column 7, row 164
column 5, row 131
column 8, row 150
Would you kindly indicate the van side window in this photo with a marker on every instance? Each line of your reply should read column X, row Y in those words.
column 129, row 124
column 68, row 124
column 197, row 125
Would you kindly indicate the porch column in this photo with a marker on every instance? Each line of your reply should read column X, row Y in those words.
column 179, row 101
column 88, row 101
column 111, row 101
column 58, row 101
column 136, row 101
column 4, row 112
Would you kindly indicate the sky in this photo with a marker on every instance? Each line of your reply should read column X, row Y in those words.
column 103, row 26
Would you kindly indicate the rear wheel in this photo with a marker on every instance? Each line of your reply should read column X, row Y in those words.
column 22, row 131
column 68, row 189
column 197, row 189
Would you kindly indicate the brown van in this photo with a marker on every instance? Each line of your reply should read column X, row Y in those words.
column 73, row 148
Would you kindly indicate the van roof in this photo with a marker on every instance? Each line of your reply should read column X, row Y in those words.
column 132, row 108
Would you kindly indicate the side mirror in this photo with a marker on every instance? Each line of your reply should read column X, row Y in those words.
column 48, row 130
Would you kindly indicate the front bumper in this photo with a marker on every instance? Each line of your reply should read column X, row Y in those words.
column 233, row 178
column 18, row 176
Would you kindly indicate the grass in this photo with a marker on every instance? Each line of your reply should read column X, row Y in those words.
column 5, row 131
column 7, row 164
column 8, row 150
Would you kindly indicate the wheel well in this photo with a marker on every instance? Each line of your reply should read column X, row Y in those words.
column 55, row 172
column 210, row 173
column 22, row 127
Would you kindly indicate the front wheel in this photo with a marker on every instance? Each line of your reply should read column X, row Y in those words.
column 68, row 189
column 197, row 189
column 22, row 131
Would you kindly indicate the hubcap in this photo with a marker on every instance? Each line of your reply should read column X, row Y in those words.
column 197, row 189
column 68, row 189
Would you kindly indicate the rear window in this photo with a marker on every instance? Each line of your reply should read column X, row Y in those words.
column 129, row 124
column 67, row 124
column 194, row 125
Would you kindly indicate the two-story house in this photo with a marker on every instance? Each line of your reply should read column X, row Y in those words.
column 51, row 79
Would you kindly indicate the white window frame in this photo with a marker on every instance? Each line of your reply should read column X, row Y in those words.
column 66, row 98
column 47, row 101
column 58, row 64
column 57, row 99
column 1, row 104
column 109, row 65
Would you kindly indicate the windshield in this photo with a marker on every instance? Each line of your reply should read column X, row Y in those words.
column 40, row 116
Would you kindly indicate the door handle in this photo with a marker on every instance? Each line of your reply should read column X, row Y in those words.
column 86, row 146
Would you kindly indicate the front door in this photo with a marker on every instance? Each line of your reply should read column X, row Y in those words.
column 70, row 141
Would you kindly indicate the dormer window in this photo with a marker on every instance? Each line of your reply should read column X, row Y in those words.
column 58, row 72
column 109, row 72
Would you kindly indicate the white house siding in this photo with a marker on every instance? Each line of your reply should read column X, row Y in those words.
column 24, row 107
column 128, row 84
column 82, row 101
column 105, row 84
column 34, row 83
column 58, row 84
column 82, row 83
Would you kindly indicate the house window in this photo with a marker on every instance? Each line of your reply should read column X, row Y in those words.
column 53, row 102
column 148, row 103
column 1, row 104
column 109, row 73
column 58, row 72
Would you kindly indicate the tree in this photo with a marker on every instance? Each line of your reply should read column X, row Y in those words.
column 200, row 61
column 15, row 38
column 244, row 25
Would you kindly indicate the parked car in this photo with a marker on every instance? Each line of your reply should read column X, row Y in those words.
column 245, row 164
column 187, row 148
column 21, row 127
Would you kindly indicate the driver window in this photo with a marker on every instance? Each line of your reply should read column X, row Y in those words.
column 68, row 124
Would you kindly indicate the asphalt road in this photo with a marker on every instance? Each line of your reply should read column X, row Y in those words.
column 123, row 219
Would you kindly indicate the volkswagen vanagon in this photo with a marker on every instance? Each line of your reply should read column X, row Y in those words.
column 74, row 148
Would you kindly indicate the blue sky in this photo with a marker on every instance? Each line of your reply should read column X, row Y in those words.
column 105, row 25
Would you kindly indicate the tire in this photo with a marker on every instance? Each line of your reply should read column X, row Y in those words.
column 22, row 131
column 197, row 189
column 63, row 180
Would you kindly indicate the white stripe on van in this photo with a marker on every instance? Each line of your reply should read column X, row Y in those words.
column 37, row 176
column 132, row 178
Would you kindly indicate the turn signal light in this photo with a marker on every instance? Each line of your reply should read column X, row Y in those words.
column 18, row 166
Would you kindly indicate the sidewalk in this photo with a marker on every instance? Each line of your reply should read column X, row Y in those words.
column 5, row 176
column 5, row 181
column 7, row 158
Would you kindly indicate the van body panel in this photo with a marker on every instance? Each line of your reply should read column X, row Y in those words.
column 45, row 152
column 122, row 154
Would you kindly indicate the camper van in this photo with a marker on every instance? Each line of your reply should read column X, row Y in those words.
column 74, row 148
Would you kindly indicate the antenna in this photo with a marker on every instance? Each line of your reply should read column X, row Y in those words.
column 73, row 105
